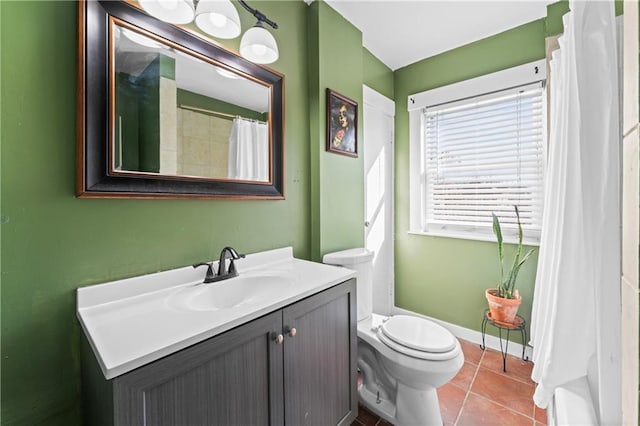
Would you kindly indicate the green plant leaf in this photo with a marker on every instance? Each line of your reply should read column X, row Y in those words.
column 519, row 226
column 526, row 256
column 507, row 287
column 513, row 272
column 498, row 232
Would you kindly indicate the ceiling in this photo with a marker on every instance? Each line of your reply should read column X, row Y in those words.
column 402, row 32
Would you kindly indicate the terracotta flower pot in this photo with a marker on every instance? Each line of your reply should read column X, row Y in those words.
column 501, row 309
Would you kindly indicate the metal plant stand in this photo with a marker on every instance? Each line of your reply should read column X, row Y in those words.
column 519, row 325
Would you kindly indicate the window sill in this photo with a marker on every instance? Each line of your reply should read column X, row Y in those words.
column 473, row 236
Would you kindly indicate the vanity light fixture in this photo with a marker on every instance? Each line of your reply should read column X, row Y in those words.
column 257, row 44
column 219, row 18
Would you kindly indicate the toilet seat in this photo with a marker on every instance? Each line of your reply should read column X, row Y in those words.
column 418, row 338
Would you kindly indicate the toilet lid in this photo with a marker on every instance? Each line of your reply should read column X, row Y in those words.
column 418, row 334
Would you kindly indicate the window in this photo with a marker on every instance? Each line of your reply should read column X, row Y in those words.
column 483, row 154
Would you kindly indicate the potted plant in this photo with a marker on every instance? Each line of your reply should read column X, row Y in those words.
column 505, row 299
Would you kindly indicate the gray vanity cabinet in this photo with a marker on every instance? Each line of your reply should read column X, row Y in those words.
column 294, row 366
column 320, row 359
column 231, row 379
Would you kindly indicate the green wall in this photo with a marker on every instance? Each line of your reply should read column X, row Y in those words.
column 445, row 278
column 149, row 115
column 335, row 55
column 53, row 243
column 127, row 110
column 553, row 23
column 377, row 75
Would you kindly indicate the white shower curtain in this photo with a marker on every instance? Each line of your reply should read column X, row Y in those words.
column 579, row 245
column 249, row 150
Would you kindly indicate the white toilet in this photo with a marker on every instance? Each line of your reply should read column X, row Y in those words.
column 402, row 359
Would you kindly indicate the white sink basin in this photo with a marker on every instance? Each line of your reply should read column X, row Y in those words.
column 230, row 293
column 138, row 320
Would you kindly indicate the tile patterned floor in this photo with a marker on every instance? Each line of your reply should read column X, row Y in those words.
column 482, row 394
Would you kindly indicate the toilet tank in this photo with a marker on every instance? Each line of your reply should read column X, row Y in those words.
column 361, row 261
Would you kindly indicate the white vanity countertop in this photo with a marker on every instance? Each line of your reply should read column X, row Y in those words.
column 134, row 321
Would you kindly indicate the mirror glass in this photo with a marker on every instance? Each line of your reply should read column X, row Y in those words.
column 177, row 114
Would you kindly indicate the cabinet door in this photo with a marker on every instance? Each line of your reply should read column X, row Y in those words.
column 231, row 379
column 320, row 359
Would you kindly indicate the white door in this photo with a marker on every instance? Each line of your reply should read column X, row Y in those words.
column 378, row 116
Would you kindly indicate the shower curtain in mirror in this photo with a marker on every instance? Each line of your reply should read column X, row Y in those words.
column 578, row 272
column 249, row 150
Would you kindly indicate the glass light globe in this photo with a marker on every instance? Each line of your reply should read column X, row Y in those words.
column 218, row 18
column 259, row 46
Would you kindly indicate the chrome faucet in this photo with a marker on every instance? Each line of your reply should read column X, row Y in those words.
column 223, row 272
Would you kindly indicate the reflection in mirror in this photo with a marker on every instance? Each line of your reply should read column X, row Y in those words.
column 176, row 114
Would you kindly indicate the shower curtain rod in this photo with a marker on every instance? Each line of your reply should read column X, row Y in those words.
column 223, row 114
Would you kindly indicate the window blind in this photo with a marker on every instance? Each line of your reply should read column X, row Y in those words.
column 483, row 155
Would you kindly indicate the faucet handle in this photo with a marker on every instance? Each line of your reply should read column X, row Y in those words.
column 210, row 276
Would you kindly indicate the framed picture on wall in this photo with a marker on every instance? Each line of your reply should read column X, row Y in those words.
column 342, row 124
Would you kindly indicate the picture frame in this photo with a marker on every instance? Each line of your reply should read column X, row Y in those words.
column 342, row 124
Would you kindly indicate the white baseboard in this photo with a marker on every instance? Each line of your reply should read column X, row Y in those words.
column 473, row 336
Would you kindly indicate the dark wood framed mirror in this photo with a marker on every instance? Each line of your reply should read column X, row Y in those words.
column 163, row 112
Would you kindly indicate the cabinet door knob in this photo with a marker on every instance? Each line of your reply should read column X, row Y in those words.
column 292, row 331
column 278, row 339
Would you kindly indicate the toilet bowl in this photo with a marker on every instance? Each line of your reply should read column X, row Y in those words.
column 402, row 359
